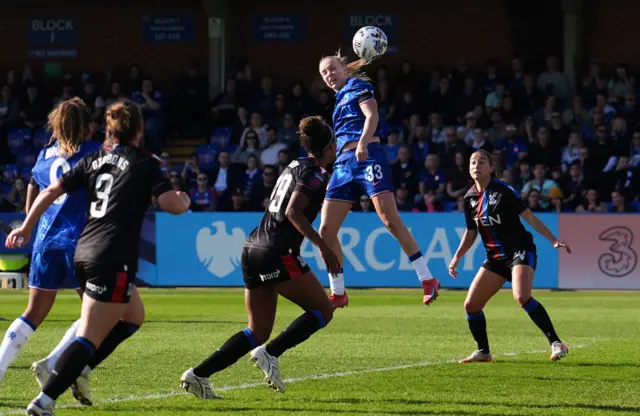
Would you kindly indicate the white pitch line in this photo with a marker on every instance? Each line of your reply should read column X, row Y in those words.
column 289, row 380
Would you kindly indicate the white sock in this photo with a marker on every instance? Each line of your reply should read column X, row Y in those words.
column 419, row 263
column 44, row 399
column 336, row 282
column 66, row 340
column 14, row 340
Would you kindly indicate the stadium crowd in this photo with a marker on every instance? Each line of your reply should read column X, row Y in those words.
column 565, row 149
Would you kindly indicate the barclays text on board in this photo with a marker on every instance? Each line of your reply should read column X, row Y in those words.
column 206, row 251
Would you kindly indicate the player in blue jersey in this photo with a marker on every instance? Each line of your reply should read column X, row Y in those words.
column 362, row 167
column 493, row 209
column 58, row 230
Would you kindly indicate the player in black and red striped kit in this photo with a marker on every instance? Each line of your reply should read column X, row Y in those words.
column 272, row 266
column 120, row 180
column 493, row 209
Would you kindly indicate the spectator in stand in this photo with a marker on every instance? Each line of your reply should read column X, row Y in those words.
column 576, row 115
column 166, row 161
column 248, row 147
column 443, row 101
column 151, row 103
column 571, row 152
column 385, row 100
column 556, row 200
column 365, row 204
column 534, row 203
column 325, row 103
column 420, row 141
column 634, row 147
column 466, row 132
column 458, row 182
column 541, row 184
column 5, row 205
column 391, row 147
column 176, row 181
column 513, row 146
column 252, row 176
column 408, row 79
column 428, row 203
column 269, row 155
column 432, row 178
column 116, row 93
column 284, row 158
column 18, row 194
column 529, row 97
column 17, row 89
column 9, row 110
column 238, row 203
column 67, row 93
column 509, row 113
column 480, row 142
column 280, row 108
column 191, row 100
column 34, row 108
column 448, row 149
column 617, row 178
column 405, row 171
column 403, row 200
column 459, row 204
column 543, row 151
column 621, row 83
column 494, row 99
column 264, row 188
column 574, row 186
column 619, row 204
column 601, row 150
column 469, row 97
column 592, row 203
column 405, row 108
column 203, row 197
column 542, row 116
column 300, row 104
column 134, row 83
column 190, row 171
column 594, row 83
column 558, row 132
column 264, row 100
column 555, row 82
column 288, row 133
column 257, row 125
column 506, row 176
column 491, row 79
column 224, row 179
column 224, row 106
column 95, row 102
column 516, row 80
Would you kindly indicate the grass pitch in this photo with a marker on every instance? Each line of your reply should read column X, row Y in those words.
column 386, row 354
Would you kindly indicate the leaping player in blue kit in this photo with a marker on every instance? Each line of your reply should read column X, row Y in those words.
column 362, row 167
column 58, row 232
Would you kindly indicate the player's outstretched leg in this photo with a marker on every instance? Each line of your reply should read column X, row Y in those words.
column 307, row 292
column 261, row 306
column 387, row 210
column 483, row 287
column 21, row 330
column 332, row 216
column 522, row 284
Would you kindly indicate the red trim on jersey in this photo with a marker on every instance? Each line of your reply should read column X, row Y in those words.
column 120, row 288
column 486, row 233
column 291, row 266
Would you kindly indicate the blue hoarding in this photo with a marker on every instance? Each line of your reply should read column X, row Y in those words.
column 388, row 22
column 287, row 27
column 204, row 250
column 8, row 222
column 168, row 29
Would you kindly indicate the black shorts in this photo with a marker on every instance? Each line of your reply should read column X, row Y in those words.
column 268, row 267
column 111, row 283
column 503, row 267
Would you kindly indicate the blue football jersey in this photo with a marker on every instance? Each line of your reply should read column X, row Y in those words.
column 61, row 224
column 348, row 119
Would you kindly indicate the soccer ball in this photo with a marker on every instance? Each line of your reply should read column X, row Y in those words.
column 369, row 42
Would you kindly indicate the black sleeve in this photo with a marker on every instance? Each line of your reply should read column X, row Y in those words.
column 364, row 97
column 159, row 181
column 33, row 181
column 468, row 216
column 515, row 201
column 309, row 181
column 77, row 177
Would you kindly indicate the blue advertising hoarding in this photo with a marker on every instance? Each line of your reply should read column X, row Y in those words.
column 204, row 250
column 168, row 29
column 53, row 37
column 286, row 27
column 388, row 22
column 10, row 221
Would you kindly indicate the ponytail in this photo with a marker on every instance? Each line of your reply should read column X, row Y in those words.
column 355, row 68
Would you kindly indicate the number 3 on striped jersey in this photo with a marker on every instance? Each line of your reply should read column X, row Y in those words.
column 98, row 208
column 277, row 196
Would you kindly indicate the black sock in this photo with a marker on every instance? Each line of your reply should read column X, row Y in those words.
column 540, row 317
column 299, row 331
column 69, row 366
column 118, row 334
column 230, row 352
column 478, row 327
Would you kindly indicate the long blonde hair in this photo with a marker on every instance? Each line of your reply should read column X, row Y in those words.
column 69, row 123
column 354, row 69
